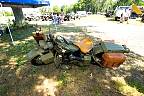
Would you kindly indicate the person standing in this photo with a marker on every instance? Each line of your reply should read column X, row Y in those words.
column 127, row 15
column 122, row 18
column 54, row 18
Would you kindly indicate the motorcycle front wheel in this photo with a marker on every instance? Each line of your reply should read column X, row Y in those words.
column 37, row 61
column 58, row 62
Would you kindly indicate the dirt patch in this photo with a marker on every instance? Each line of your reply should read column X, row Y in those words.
column 45, row 80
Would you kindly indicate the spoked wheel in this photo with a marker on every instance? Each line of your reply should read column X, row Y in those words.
column 58, row 61
column 1, row 33
column 37, row 61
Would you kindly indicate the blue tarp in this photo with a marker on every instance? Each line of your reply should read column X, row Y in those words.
column 27, row 2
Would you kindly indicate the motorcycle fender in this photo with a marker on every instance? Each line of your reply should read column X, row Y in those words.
column 33, row 53
column 47, row 58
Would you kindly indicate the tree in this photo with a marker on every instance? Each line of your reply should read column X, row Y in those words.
column 44, row 10
column 67, row 9
column 70, row 8
column 108, row 5
column 93, row 5
column 64, row 8
column 101, row 5
column 76, row 7
column 128, row 2
column 56, row 9
column 19, row 17
column 139, row 2
column 124, row 3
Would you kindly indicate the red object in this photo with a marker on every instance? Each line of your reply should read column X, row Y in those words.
column 112, row 60
column 38, row 36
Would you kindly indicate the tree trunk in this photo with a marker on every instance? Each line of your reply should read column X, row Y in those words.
column 18, row 14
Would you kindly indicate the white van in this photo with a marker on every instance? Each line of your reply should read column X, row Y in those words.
column 119, row 10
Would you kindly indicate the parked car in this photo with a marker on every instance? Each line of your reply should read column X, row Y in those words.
column 77, row 16
column 45, row 17
column 69, row 16
column 32, row 17
column 89, row 13
column 109, row 13
column 82, row 13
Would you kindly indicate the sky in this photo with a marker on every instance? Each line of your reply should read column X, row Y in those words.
column 61, row 2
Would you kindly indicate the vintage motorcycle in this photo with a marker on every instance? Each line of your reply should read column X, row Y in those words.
column 65, row 53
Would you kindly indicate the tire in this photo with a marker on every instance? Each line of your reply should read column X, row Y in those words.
column 37, row 61
column 58, row 62
column 142, row 20
column 1, row 33
column 116, row 19
column 29, row 19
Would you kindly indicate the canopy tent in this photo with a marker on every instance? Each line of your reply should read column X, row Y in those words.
column 17, row 6
column 25, row 3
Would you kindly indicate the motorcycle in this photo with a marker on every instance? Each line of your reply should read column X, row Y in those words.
column 65, row 53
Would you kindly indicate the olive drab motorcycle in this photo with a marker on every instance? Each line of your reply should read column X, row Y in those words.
column 68, row 53
column 65, row 53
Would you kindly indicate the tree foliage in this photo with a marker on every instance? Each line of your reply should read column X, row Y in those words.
column 65, row 8
column 45, row 10
column 56, row 9
column 93, row 5
column 102, row 5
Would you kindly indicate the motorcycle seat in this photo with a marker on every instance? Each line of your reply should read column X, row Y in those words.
column 68, row 45
column 85, row 45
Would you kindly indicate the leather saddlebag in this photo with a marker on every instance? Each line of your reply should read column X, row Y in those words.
column 112, row 60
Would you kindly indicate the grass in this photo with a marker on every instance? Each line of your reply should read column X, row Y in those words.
column 97, row 91
column 18, row 52
column 73, row 81
column 125, row 88
column 137, row 85
column 3, row 90
column 23, row 44
column 63, row 78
